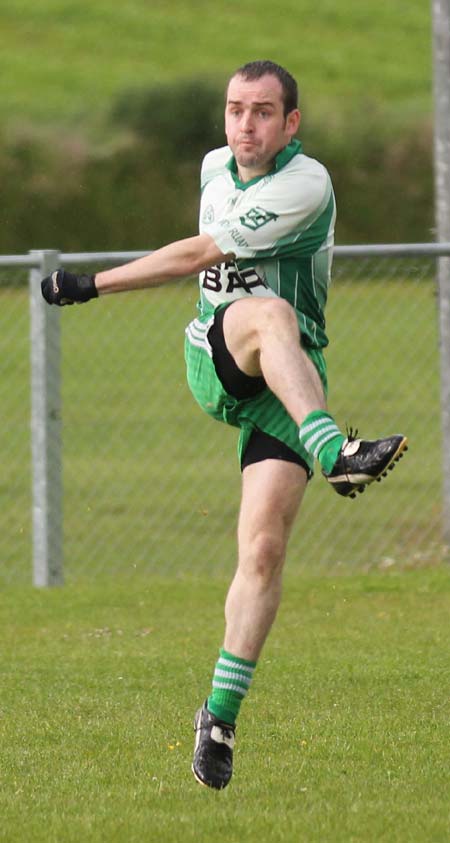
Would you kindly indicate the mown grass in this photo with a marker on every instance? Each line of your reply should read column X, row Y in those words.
column 344, row 736
column 67, row 61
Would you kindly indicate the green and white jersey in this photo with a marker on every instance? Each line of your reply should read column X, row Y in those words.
column 279, row 227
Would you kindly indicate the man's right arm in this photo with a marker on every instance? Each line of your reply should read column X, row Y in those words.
column 180, row 259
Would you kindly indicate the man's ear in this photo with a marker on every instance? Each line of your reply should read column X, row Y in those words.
column 293, row 121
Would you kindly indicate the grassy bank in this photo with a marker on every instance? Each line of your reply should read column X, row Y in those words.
column 64, row 61
column 73, row 178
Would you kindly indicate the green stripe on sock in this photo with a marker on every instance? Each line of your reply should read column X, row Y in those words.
column 231, row 681
column 321, row 438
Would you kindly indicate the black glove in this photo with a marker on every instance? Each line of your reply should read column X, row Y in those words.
column 62, row 287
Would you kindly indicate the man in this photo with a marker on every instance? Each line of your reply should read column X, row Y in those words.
column 254, row 359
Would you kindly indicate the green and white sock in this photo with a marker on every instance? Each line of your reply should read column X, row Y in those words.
column 321, row 437
column 231, row 681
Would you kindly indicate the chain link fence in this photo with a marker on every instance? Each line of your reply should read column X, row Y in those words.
column 152, row 485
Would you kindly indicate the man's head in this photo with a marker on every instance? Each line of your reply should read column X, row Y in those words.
column 261, row 115
column 256, row 69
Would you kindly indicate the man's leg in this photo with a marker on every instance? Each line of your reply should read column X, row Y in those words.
column 272, row 491
column 263, row 338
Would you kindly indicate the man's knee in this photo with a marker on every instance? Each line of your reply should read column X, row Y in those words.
column 259, row 313
column 264, row 312
column 279, row 309
column 277, row 317
column 262, row 556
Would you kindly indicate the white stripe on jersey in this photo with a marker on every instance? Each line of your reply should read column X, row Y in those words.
column 197, row 334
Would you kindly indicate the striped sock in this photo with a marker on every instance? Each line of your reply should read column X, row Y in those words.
column 321, row 437
column 231, row 681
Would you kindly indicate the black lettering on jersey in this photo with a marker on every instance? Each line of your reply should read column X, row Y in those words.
column 247, row 279
column 211, row 279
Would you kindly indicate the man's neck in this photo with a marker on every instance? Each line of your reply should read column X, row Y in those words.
column 247, row 174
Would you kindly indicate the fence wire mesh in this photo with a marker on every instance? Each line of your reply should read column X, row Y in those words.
column 152, row 485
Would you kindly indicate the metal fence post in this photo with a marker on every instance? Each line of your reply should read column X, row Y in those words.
column 444, row 342
column 45, row 428
column 441, row 51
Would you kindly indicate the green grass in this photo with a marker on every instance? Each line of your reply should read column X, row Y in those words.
column 343, row 738
column 66, row 61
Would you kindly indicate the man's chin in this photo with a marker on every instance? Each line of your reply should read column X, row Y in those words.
column 248, row 159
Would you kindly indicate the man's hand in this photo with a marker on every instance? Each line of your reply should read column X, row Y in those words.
column 62, row 287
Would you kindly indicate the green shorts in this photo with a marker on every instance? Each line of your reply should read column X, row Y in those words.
column 261, row 412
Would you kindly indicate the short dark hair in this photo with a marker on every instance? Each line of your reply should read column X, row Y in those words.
column 255, row 69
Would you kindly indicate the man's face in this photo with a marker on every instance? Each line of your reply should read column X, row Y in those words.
column 255, row 125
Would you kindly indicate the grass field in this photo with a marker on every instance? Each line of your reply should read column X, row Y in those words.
column 65, row 61
column 343, row 738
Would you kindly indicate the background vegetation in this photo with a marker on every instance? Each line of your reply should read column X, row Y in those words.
column 106, row 110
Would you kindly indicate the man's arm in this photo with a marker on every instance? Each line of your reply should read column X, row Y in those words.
column 177, row 260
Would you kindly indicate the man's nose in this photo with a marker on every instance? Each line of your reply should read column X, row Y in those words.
column 247, row 122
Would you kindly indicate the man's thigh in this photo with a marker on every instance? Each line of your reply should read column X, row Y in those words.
column 267, row 430
column 229, row 395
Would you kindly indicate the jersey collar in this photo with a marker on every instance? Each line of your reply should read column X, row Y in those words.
column 283, row 158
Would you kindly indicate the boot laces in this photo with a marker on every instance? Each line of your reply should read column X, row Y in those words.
column 351, row 434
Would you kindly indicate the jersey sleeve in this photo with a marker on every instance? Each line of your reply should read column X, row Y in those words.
column 213, row 165
column 289, row 214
